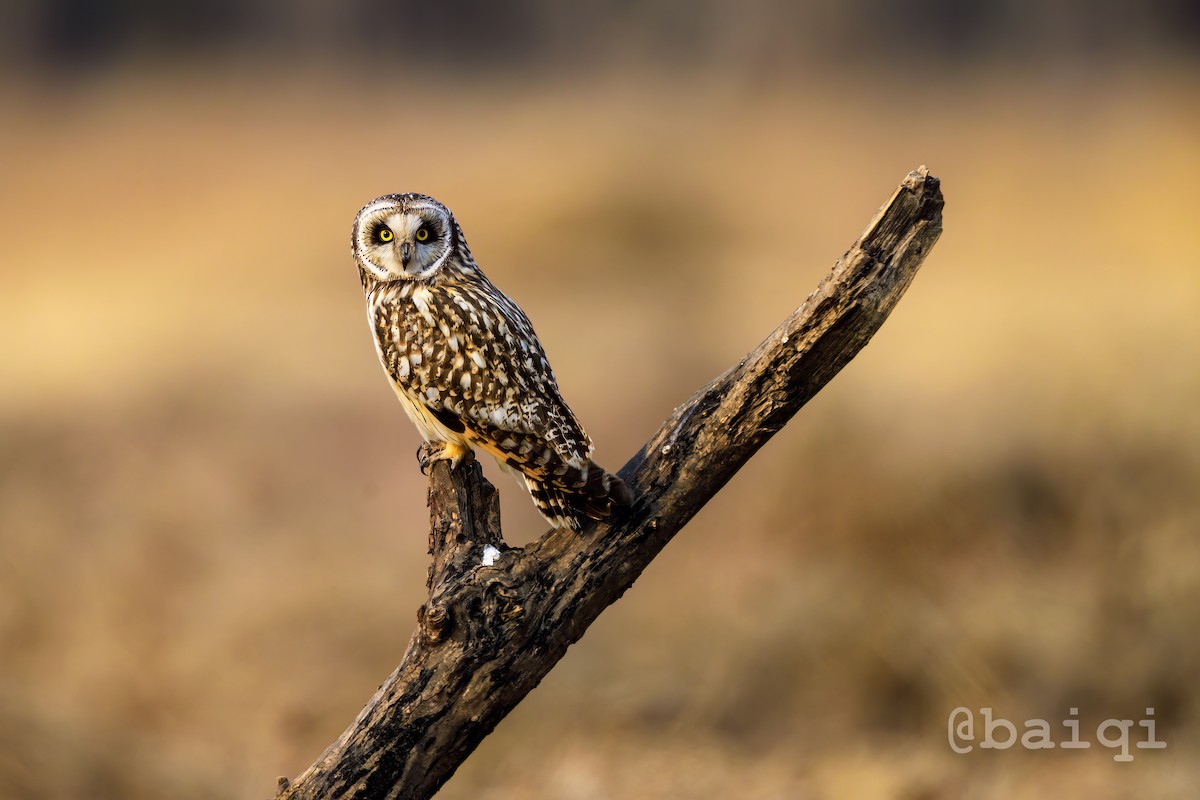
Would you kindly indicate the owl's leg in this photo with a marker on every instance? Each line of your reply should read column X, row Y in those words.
column 454, row 452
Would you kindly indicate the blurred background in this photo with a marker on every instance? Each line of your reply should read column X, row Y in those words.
column 212, row 526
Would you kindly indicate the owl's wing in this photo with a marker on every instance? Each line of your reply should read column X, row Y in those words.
column 527, row 424
column 497, row 386
column 531, row 435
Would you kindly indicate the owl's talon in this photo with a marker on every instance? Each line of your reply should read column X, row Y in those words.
column 427, row 453
column 453, row 452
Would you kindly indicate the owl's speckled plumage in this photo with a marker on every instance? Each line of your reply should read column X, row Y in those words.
column 465, row 361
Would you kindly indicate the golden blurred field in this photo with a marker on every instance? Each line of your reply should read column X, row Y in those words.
column 213, row 528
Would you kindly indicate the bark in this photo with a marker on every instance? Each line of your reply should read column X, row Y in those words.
column 487, row 635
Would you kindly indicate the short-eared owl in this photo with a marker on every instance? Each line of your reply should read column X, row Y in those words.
column 465, row 362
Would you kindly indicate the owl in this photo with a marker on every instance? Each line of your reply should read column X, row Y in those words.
column 465, row 362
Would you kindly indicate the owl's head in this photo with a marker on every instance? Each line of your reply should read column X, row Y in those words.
column 405, row 237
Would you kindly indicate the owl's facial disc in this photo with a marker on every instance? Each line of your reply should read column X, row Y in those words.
column 408, row 242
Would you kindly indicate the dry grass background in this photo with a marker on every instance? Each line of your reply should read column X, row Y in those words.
column 213, row 528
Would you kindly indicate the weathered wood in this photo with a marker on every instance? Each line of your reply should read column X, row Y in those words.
column 489, row 634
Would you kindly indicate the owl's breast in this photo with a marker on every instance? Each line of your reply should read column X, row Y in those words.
column 393, row 333
column 430, row 348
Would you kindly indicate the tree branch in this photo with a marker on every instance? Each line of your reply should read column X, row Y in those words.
column 489, row 634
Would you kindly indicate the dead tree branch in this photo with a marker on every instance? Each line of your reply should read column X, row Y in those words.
column 489, row 634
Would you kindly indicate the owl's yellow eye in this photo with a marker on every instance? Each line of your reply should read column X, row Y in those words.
column 422, row 234
column 385, row 235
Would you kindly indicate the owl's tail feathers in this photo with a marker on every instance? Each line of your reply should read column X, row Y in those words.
column 567, row 501
column 601, row 493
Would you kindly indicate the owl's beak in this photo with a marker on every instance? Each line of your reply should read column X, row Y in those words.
column 405, row 253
